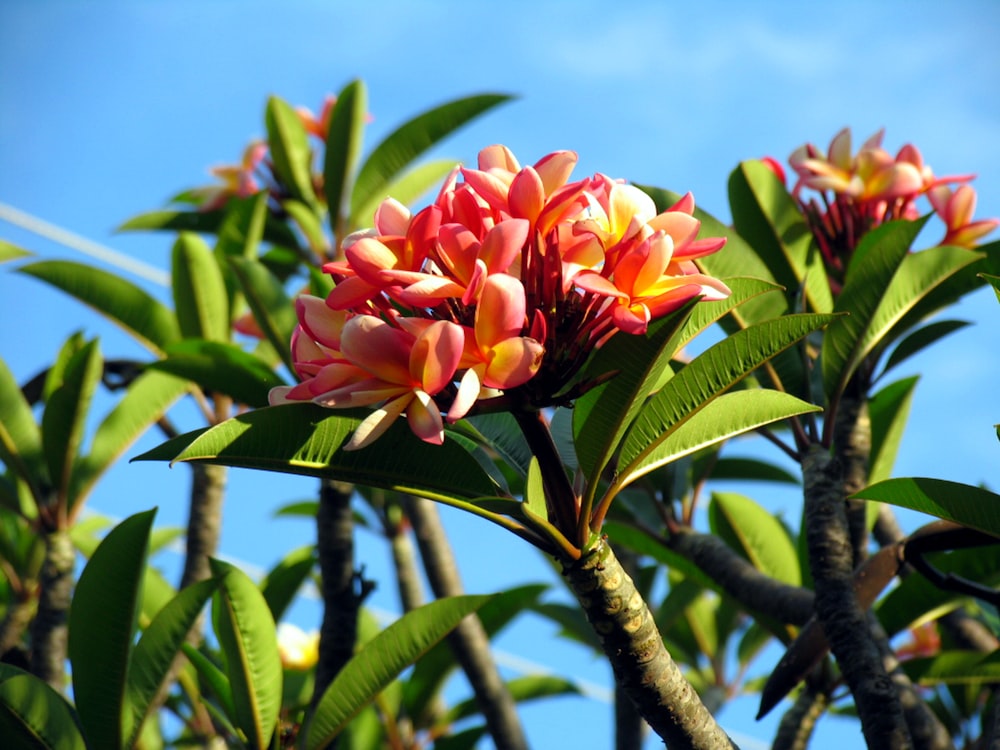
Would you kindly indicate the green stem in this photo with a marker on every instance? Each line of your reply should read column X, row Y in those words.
column 642, row 666
column 561, row 503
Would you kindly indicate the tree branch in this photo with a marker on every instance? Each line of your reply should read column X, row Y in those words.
column 49, row 629
column 634, row 646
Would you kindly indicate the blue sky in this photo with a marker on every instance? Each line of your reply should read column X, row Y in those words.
column 107, row 109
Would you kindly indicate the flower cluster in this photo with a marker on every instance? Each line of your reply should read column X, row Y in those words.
column 857, row 192
column 501, row 287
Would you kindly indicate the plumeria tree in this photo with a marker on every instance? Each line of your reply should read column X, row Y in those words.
column 520, row 348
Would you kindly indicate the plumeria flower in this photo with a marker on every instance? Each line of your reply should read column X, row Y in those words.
column 298, row 649
column 501, row 287
column 955, row 207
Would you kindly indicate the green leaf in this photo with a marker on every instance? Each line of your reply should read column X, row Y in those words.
column 102, row 622
column 521, row 689
column 920, row 339
column 952, row 501
column 9, row 251
column 430, row 673
column 142, row 316
column 291, row 156
column 954, row 668
column 407, row 187
column 286, row 578
column 249, row 640
column 200, row 296
column 705, row 313
column 888, row 411
column 205, row 222
column 707, row 376
column 408, row 142
column 310, row 224
column 33, row 716
column 148, row 397
column 242, row 226
column 751, row 469
column 771, row 221
column 20, row 436
column 919, row 275
column 154, row 653
column 343, row 149
column 534, row 490
column 602, row 415
column 876, row 261
column 721, row 418
column 221, row 367
column 307, row 439
column 272, row 309
column 381, row 661
column 500, row 432
column 756, row 535
column 65, row 416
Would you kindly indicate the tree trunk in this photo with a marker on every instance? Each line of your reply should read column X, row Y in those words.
column 50, row 630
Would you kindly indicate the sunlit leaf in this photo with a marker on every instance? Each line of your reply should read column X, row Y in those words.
column 878, row 257
column 953, row 668
column 20, row 436
column 756, row 534
column 33, row 716
column 723, row 417
column 307, row 439
column 408, row 142
column 102, row 623
column 380, row 661
column 249, row 641
column 285, row 579
column 952, row 501
column 407, row 187
column 205, row 222
column 767, row 216
column 9, row 251
column 920, row 339
column 122, row 302
column 709, row 375
column 291, row 156
column 888, row 411
column 343, row 149
column 160, row 642
column 200, row 297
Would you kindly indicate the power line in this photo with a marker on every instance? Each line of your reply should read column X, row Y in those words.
column 81, row 244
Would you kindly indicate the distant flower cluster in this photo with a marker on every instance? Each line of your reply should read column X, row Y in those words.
column 857, row 192
column 503, row 285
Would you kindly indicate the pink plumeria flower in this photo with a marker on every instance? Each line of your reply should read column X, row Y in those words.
column 955, row 209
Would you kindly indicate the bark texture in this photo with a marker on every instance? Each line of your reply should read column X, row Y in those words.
column 641, row 663
column 831, row 560
column 799, row 722
column 468, row 641
column 50, row 630
column 208, row 491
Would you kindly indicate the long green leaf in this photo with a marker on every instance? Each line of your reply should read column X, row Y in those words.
column 876, row 261
column 200, row 296
column 954, row 668
column 307, row 439
column 770, row 219
column 148, row 397
column 407, row 187
column 290, row 152
column 33, row 716
column 952, row 501
column 220, row 367
column 888, row 411
column 65, row 416
column 381, row 661
column 156, row 649
column 205, row 222
column 920, row 339
column 709, row 375
column 521, row 689
column 343, row 150
column 408, row 142
column 602, row 415
column 742, row 292
column 756, row 534
column 272, row 309
column 142, row 316
column 249, row 641
column 20, row 436
column 723, row 417
column 102, row 623
column 431, row 672
column 918, row 276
